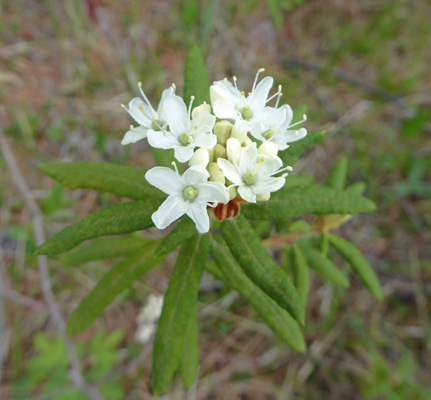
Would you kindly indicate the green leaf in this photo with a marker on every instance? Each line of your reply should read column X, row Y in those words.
column 359, row 264
column 105, row 177
column 120, row 277
column 259, row 266
column 293, row 181
column 182, row 232
column 278, row 319
column 308, row 200
column 190, row 355
column 196, row 82
column 338, row 176
column 324, row 267
column 178, row 305
column 291, row 155
column 113, row 220
column 276, row 13
column 163, row 157
column 102, row 249
column 301, row 274
column 357, row 189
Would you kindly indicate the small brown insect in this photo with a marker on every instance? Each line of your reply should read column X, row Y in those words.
column 229, row 210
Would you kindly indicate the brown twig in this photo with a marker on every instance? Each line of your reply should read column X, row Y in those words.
column 39, row 234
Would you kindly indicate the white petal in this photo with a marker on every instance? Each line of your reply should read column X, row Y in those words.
column 162, row 106
column 183, row 153
column 288, row 115
column 257, row 99
column 269, row 166
column 164, row 179
column 268, row 185
column 140, row 112
column 230, row 171
column 233, row 150
column 244, row 126
column 176, row 115
column 205, row 140
column 248, row 159
column 197, row 111
column 247, row 194
column 270, row 116
column 205, row 119
column 134, row 135
column 170, row 210
column 209, row 192
column 194, row 176
column 292, row 136
column 198, row 213
column 162, row 140
column 225, row 110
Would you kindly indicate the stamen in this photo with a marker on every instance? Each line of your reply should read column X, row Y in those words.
column 278, row 99
column 190, row 106
column 175, row 167
column 131, row 127
column 276, row 94
column 122, row 105
column 299, row 122
column 174, row 86
column 236, row 87
column 224, row 80
column 257, row 77
column 145, row 97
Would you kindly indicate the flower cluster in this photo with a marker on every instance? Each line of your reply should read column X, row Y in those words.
column 231, row 153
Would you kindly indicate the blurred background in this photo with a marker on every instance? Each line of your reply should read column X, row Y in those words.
column 361, row 71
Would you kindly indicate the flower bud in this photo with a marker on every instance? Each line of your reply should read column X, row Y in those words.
column 197, row 111
column 263, row 197
column 233, row 192
column 247, row 141
column 211, row 154
column 219, row 152
column 233, row 149
column 238, row 135
column 215, row 173
column 222, row 131
column 268, row 149
column 200, row 157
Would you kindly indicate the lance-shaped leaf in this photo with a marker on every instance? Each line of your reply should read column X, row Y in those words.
column 301, row 275
column 254, row 259
column 103, row 248
column 113, row 220
column 338, row 176
column 293, row 181
column 104, row 177
column 291, row 155
column 357, row 189
column 308, row 200
column 190, row 356
column 178, row 304
column 359, row 264
column 324, row 267
column 196, row 82
column 120, row 277
column 182, row 232
column 278, row 319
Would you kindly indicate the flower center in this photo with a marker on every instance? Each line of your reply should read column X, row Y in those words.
column 268, row 134
column 249, row 178
column 190, row 193
column 246, row 113
column 185, row 138
column 156, row 125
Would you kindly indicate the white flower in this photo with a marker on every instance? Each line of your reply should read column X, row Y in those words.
column 247, row 112
column 184, row 135
column 253, row 172
column 145, row 115
column 280, row 134
column 189, row 194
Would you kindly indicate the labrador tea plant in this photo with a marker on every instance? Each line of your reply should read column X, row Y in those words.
column 223, row 160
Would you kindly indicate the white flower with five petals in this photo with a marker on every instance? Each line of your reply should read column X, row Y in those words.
column 280, row 134
column 146, row 116
column 248, row 112
column 189, row 194
column 253, row 173
column 184, row 134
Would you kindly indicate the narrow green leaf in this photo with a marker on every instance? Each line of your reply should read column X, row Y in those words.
column 278, row 319
column 182, row 232
column 190, row 355
column 113, row 220
column 308, row 200
column 102, row 249
column 324, row 244
column 291, row 155
column 338, row 176
column 178, row 305
column 324, row 267
column 291, row 182
column 259, row 266
column 196, row 82
column 357, row 189
column 301, row 274
column 105, row 177
column 359, row 264
column 120, row 277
